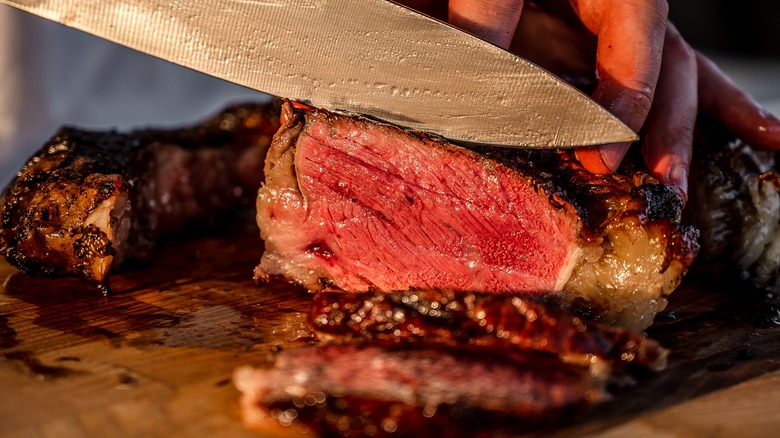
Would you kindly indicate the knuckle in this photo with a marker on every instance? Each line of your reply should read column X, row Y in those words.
column 642, row 93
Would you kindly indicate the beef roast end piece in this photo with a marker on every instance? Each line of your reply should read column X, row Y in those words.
column 89, row 199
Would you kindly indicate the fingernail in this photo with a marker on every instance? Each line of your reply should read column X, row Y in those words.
column 612, row 154
column 677, row 177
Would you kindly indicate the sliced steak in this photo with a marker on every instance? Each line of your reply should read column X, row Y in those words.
column 369, row 390
column 498, row 322
column 88, row 200
column 356, row 205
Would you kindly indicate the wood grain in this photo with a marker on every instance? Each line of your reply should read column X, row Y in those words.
column 156, row 358
column 153, row 359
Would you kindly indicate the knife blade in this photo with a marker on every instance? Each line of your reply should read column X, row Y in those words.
column 372, row 57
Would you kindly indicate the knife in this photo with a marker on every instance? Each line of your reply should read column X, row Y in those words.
column 372, row 57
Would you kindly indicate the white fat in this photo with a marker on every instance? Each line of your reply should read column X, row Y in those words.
column 572, row 260
column 624, row 276
column 101, row 216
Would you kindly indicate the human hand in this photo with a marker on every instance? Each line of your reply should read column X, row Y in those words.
column 645, row 73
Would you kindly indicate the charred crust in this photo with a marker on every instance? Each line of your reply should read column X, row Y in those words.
column 661, row 201
column 505, row 322
column 684, row 245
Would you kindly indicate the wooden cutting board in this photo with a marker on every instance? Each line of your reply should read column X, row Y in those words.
column 156, row 358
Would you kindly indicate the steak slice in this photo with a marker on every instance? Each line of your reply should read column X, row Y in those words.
column 88, row 200
column 371, row 390
column 498, row 322
column 355, row 205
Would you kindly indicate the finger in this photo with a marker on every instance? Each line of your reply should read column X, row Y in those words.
column 492, row 20
column 668, row 131
column 730, row 105
column 628, row 60
column 566, row 49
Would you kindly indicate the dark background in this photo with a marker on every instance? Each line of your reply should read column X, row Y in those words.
column 747, row 27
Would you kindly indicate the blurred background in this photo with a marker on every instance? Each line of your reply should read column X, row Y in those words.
column 747, row 27
column 743, row 38
column 52, row 75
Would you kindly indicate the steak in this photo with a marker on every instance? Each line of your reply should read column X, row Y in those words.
column 88, row 200
column 372, row 390
column 736, row 205
column 497, row 322
column 355, row 205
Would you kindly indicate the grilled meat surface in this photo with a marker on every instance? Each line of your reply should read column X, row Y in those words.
column 88, row 200
column 495, row 321
column 354, row 205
